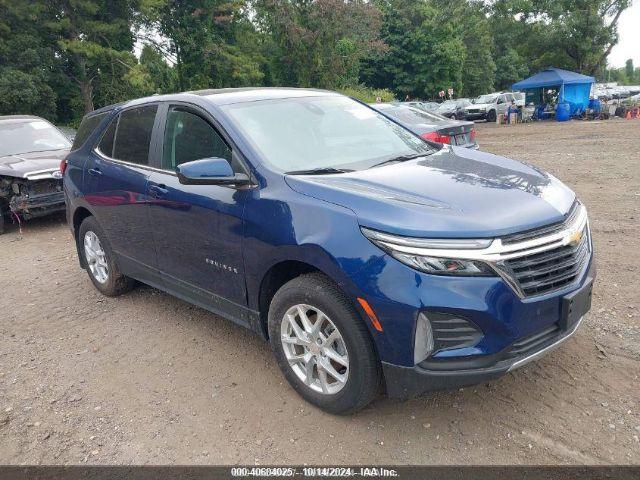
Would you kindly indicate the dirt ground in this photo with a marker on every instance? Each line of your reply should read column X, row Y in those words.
column 147, row 378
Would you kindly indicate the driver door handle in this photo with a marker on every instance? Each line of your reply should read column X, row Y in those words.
column 158, row 191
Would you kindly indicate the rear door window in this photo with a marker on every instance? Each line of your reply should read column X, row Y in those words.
column 132, row 135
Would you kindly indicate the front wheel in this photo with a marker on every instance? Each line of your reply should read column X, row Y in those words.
column 491, row 116
column 322, row 346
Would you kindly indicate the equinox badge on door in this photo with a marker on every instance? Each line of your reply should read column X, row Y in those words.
column 221, row 266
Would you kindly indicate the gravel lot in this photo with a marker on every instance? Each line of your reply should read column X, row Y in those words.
column 146, row 378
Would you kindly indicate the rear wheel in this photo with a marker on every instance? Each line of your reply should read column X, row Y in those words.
column 322, row 346
column 100, row 261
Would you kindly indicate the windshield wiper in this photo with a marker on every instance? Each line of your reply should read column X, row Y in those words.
column 401, row 158
column 320, row 171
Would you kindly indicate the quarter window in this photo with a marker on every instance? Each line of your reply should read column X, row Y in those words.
column 189, row 137
column 106, row 143
column 87, row 127
column 129, row 136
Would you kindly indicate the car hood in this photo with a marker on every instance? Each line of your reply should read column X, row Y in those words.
column 455, row 192
column 23, row 164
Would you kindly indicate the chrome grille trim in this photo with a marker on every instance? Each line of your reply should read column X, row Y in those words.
column 574, row 211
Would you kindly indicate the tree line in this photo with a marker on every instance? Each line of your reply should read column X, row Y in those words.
column 63, row 58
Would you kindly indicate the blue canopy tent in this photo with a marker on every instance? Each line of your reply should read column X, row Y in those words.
column 574, row 87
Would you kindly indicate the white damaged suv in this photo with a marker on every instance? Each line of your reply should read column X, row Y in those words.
column 488, row 107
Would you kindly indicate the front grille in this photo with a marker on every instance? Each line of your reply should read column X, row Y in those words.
column 40, row 187
column 550, row 270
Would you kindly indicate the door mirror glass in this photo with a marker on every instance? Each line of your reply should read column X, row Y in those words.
column 209, row 171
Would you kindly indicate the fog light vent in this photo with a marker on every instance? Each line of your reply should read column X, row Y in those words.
column 423, row 339
column 450, row 331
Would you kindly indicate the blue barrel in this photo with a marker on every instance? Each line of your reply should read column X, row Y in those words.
column 563, row 112
column 595, row 105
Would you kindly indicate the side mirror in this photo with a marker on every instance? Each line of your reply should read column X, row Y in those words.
column 210, row 171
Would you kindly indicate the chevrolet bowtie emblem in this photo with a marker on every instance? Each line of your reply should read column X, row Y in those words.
column 575, row 237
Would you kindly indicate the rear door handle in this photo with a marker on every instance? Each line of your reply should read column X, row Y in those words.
column 157, row 191
column 95, row 172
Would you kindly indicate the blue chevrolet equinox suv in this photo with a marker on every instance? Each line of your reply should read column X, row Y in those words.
column 369, row 258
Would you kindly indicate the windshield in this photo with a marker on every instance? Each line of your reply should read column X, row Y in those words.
column 486, row 99
column 308, row 133
column 30, row 136
column 413, row 116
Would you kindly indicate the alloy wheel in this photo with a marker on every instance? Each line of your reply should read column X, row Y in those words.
column 315, row 349
column 96, row 257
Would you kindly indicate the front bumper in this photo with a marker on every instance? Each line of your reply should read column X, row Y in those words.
column 475, row 116
column 403, row 382
column 37, row 205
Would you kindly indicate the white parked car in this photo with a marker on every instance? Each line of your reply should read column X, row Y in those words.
column 488, row 107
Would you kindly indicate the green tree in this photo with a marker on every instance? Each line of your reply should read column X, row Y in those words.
column 26, row 61
column 585, row 31
column 425, row 52
column 573, row 34
column 629, row 70
column 510, row 68
column 94, row 41
column 151, row 75
column 317, row 43
column 479, row 69
column 22, row 93
column 207, row 41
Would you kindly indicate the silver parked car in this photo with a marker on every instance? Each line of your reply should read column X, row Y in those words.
column 31, row 150
column 453, row 108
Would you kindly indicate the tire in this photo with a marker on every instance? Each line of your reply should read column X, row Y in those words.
column 114, row 283
column 363, row 372
column 491, row 116
column 1, row 222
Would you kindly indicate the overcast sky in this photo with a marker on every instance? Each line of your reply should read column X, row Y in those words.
column 629, row 31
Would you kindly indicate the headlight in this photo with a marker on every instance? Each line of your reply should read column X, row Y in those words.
column 444, row 266
column 401, row 248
